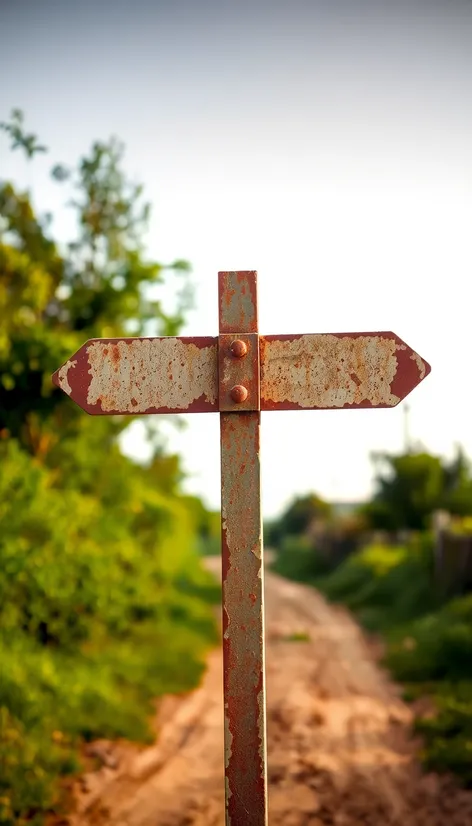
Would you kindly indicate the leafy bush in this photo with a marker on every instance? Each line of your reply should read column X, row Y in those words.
column 95, row 624
column 297, row 519
column 448, row 734
column 104, row 605
column 385, row 585
column 433, row 655
column 298, row 559
column 438, row 646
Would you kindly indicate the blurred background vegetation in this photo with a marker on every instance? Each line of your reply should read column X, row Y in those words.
column 99, row 556
column 403, row 564
column 104, row 603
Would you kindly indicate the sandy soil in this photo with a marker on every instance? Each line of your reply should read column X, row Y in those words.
column 340, row 748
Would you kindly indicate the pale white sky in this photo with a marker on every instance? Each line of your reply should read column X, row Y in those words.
column 328, row 148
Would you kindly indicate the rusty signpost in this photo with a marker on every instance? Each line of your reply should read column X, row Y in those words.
column 239, row 374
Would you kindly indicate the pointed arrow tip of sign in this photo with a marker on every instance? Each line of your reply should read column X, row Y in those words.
column 412, row 370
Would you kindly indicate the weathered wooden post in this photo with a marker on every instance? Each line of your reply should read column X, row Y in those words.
column 240, row 373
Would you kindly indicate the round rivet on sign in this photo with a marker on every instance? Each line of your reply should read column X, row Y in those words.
column 238, row 348
column 238, row 393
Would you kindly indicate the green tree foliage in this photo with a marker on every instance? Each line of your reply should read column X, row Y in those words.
column 19, row 138
column 310, row 538
column 103, row 603
column 297, row 519
column 409, row 489
column 208, row 525
column 457, row 497
column 412, row 486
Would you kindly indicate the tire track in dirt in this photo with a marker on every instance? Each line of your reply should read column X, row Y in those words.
column 340, row 749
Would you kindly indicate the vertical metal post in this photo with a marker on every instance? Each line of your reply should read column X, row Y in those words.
column 242, row 556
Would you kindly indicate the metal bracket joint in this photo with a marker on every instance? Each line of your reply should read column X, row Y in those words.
column 239, row 372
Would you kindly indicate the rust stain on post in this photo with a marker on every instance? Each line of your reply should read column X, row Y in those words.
column 243, row 621
column 242, row 558
column 237, row 294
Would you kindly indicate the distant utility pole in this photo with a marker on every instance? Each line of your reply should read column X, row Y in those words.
column 406, row 428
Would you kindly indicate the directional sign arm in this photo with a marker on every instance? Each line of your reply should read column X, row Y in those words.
column 340, row 370
column 143, row 375
column 180, row 375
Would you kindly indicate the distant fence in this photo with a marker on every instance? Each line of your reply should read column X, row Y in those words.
column 334, row 544
column 452, row 557
column 335, row 548
column 452, row 550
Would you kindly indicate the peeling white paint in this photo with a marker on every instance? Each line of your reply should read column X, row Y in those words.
column 135, row 376
column 257, row 550
column 261, row 721
column 62, row 376
column 420, row 365
column 228, row 796
column 328, row 371
column 228, row 737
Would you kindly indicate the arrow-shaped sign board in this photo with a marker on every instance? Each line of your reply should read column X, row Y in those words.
column 297, row 372
column 240, row 373
column 142, row 375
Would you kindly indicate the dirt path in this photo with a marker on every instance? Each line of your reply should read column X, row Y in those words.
column 340, row 751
